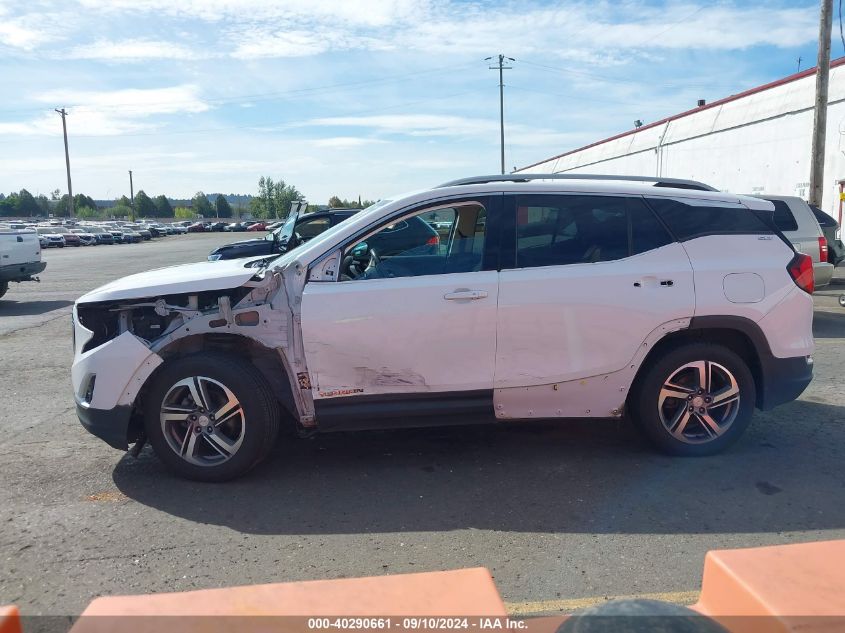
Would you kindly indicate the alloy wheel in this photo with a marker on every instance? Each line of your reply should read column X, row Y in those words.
column 202, row 421
column 699, row 402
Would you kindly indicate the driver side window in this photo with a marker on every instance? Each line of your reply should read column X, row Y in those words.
column 432, row 242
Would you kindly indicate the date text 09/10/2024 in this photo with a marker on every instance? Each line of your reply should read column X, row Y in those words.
column 416, row 623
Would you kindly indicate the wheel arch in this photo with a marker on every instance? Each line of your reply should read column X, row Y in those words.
column 267, row 360
column 739, row 334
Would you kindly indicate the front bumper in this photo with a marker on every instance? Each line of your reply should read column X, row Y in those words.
column 21, row 272
column 784, row 379
column 110, row 425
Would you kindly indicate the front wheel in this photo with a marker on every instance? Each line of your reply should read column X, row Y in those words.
column 696, row 399
column 211, row 416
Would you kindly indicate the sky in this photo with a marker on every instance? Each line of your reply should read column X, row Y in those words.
column 358, row 97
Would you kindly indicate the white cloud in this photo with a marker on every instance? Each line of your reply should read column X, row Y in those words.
column 131, row 102
column 108, row 113
column 344, row 142
column 413, row 124
column 135, row 50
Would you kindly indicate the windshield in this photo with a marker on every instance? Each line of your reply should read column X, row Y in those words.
column 327, row 234
column 284, row 232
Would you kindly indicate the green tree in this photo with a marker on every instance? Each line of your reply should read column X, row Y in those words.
column 224, row 209
column 163, row 208
column 335, row 202
column 201, row 205
column 184, row 213
column 27, row 206
column 87, row 212
column 43, row 204
column 144, row 206
column 9, row 205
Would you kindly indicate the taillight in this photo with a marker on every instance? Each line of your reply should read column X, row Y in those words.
column 823, row 251
column 433, row 241
column 801, row 271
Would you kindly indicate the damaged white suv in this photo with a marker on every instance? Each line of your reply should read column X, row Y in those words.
column 529, row 297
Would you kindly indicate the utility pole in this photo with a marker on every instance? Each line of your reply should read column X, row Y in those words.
column 820, row 117
column 67, row 164
column 131, row 198
column 501, row 66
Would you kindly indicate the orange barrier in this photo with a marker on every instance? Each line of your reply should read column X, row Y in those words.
column 779, row 589
column 10, row 620
column 447, row 593
column 798, row 587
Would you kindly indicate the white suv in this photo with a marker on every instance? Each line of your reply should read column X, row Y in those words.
column 532, row 297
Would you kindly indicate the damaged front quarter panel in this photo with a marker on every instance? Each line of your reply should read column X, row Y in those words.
column 161, row 326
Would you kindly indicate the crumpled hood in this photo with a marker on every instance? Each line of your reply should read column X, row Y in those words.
column 198, row 277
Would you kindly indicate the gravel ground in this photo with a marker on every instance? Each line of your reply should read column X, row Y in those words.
column 556, row 511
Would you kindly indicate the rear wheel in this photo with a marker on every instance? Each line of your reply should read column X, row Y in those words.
column 210, row 416
column 696, row 399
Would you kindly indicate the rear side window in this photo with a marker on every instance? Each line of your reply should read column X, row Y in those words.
column 691, row 218
column 784, row 219
column 554, row 230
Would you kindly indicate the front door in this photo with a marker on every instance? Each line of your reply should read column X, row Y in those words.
column 409, row 329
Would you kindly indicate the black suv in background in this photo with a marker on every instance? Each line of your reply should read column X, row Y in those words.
column 299, row 228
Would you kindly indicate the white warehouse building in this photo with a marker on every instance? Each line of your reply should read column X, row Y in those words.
column 758, row 141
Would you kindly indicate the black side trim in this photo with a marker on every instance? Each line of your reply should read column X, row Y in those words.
column 781, row 380
column 110, row 425
column 355, row 413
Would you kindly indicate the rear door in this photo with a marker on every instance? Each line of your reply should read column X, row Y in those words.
column 591, row 277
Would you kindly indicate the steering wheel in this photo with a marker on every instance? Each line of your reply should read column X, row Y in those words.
column 372, row 266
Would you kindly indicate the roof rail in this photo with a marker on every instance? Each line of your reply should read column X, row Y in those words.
column 679, row 183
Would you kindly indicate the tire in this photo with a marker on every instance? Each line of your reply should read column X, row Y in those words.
column 721, row 410
column 248, row 431
column 4, row 287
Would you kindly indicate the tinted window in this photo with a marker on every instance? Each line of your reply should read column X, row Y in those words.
column 312, row 228
column 823, row 218
column 784, row 219
column 692, row 218
column 563, row 229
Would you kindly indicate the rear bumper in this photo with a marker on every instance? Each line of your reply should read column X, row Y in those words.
column 21, row 272
column 822, row 274
column 784, row 379
column 110, row 425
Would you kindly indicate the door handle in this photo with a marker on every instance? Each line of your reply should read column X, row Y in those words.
column 650, row 282
column 465, row 295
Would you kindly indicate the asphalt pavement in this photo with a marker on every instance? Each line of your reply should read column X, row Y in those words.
column 559, row 512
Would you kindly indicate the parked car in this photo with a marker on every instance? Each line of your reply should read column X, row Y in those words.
column 236, row 227
column 117, row 234
column 217, row 226
column 130, row 236
column 20, row 257
column 830, row 228
column 102, row 236
column 156, row 230
column 274, row 225
column 296, row 230
column 796, row 220
column 257, row 226
column 145, row 233
column 197, row 227
column 71, row 239
column 179, row 229
column 85, row 238
column 676, row 306
column 53, row 236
